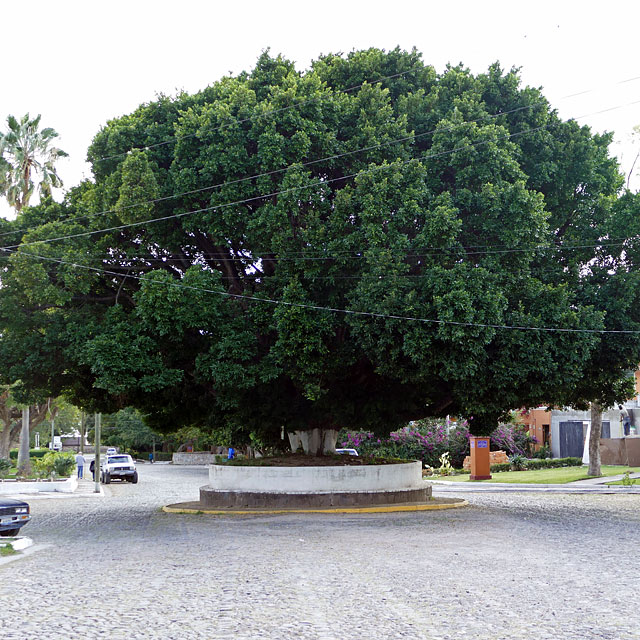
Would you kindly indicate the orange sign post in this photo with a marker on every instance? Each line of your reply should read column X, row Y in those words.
column 480, row 462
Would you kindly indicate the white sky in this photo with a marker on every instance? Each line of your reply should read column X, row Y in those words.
column 80, row 62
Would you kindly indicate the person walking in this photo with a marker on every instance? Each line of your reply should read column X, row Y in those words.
column 92, row 468
column 80, row 462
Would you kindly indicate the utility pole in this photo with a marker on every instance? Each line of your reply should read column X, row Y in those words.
column 98, row 422
column 24, row 466
column 82, row 432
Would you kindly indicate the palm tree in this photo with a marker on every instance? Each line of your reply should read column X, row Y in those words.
column 27, row 154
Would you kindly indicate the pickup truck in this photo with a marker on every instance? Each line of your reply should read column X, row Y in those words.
column 118, row 467
column 14, row 514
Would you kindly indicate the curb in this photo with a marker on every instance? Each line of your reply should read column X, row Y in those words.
column 176, row 508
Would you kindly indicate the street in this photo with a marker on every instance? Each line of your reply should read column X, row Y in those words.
column 510, row 566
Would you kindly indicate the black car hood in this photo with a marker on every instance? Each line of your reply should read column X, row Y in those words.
column 12, row 502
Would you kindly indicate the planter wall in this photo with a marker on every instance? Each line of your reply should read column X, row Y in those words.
column 299, row 487
column 10, row 487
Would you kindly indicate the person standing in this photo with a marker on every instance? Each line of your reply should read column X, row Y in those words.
column 92, row 468
column 80, row 462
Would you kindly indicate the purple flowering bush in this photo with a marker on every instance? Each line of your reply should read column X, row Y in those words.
column 427, row 440
column 423, row 440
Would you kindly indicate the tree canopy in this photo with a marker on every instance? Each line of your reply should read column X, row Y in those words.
column 348, row 246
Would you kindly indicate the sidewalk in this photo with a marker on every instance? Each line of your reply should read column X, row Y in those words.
column 592, row 485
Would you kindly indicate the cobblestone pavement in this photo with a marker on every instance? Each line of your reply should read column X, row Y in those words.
column 511, row 566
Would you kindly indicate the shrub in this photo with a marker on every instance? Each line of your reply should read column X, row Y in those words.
column 33, row 453
column 459, row 444
column 5, row 466
column 61, row 464
column 503, row 466
column 514, row 439
column 553, row 463
column 518, row 462
column 543, row 452
column 423, row 440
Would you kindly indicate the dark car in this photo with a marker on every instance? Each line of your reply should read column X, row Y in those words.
column 13, row 515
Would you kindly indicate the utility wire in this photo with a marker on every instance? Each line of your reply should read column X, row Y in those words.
column 320, row 183
column 369, row 314
column 297, row 165
column 236, row 121
column 414, row 136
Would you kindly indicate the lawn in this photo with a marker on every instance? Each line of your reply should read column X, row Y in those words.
column 543, row 476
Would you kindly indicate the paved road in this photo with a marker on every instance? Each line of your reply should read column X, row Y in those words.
column 512, row 566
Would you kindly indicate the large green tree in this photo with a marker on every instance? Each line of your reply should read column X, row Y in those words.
column 349, row 246
column 27, row 162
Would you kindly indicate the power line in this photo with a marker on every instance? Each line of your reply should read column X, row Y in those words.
column 296, row 165
column 414, row 136
column 370, row 314
column 320, row 183
column 235, row 121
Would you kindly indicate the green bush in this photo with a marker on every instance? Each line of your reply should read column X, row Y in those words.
column 553, row 463
column 503, row 466
column 33, row 453
column 543, row 452
column 518, row 462
column 61, row 464
column 5, row 466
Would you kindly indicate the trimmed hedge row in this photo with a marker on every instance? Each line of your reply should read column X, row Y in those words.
column 33, row 453
column 546, row 463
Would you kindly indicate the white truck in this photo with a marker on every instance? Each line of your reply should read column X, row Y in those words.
column 118, row 467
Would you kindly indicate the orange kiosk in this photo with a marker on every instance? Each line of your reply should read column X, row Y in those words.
column 480, row 459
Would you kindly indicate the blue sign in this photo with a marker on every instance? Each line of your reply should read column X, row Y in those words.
column 482, row 444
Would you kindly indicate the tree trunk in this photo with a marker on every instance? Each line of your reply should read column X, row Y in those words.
column 314, row 442
column 5, row 441
column 24, row 464
column 594, row 439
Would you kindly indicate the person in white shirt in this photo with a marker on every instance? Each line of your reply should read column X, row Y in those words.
column 80, row 462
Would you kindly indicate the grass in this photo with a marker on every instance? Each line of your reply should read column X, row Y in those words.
column 7, row 550
column 544, row 476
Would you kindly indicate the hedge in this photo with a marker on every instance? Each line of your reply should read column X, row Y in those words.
column 536, row 463
column 33, row 453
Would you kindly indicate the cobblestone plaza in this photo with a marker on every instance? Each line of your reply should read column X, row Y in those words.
column 509, row 566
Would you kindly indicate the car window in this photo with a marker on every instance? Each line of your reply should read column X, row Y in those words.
column 116, row 459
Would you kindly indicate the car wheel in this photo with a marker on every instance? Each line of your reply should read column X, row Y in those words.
column 134, row 478
column 10, row 532
column 107, row 478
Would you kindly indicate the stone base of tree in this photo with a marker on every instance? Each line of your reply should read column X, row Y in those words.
column 239, row 486
column 280, row 500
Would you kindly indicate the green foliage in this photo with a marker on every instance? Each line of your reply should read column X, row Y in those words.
column 543, row 452
column 433, row 209
column 5, row 467
column 60, row 464
column 33, row 453
column 26, row 151
column 627, row 480
column 126, row 429
column 518, row 462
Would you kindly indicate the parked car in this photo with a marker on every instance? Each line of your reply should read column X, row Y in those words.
column 112, row 451
column 118, row 467
column 347, row 452
column 14, row 514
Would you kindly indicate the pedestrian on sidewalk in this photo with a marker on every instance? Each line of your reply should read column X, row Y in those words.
column 80, row 462
column 92, row 468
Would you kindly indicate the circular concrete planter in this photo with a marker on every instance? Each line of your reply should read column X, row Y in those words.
column 297, row 487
